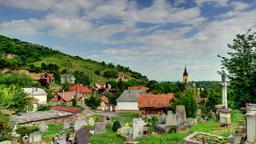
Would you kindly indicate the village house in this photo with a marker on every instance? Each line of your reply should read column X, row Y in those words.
column 37, row 93
column 80, row 88
column 67, row 78
column 104, row 104
column 66, row 97
column 47, row 78
column 154, row 104
column 138, row 88
column 8, row 56
column 101, row 85
column 128, row 100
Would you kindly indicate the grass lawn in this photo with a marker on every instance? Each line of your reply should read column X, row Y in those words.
column 53, row 129
column 106, row 138
column 211, row 126
column 126, row 117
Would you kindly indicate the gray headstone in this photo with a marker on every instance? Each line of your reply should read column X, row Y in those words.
column 66, row 125
column 171, row 119
column 61, row 139
column 137, row 128
column 100, row 127
column 82, row 136
column 182, row 124
column 43, row 127
column 79, row 123
column 35, row 137
column 181, row 114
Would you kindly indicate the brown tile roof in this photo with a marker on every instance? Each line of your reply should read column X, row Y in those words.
column 80, row 88
column 138, row 88
column 155, row 100
column 104, row 99
column 67, row 109
column 68, row 96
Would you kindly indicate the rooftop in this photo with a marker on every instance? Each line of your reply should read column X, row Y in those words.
column 39, row 116
column 130, row 95
column 155, row 100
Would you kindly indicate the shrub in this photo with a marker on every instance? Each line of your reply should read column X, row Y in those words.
column 43, row 107
column 116, row 126
column 26, row 130
column 172, row 129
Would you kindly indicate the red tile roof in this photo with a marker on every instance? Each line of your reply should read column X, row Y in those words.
column 67, row 109
column 139, row 88
column 68, row 96
column 80, row 88
column 155, row 100
column 104, row 99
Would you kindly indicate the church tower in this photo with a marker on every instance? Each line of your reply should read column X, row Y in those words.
column 185, row 76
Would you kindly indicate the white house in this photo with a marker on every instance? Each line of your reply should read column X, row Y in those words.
column 67, row 78
column 37, row 93
column 128, row 100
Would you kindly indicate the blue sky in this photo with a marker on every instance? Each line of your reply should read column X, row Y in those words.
column 154, row 37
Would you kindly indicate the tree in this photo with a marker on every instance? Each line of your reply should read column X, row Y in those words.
column 241, row 66
column 186, row 98
column 93, row 101
column 110, row 73
column 214, row 97
column 13, row 97
column 82, row 78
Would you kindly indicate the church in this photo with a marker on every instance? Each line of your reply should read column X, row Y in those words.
column 185, row 76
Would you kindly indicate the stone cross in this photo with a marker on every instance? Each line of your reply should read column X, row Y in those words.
column 224, row 89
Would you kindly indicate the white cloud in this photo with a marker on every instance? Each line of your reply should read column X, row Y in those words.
column 222, row 3
column 159, row 53
column 239, row 6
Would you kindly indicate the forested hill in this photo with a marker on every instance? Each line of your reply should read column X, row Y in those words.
column 16, row 54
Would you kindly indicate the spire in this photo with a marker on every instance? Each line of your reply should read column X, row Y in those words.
column 185, row 71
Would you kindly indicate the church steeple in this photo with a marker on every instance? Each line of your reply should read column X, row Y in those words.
column 185, row 76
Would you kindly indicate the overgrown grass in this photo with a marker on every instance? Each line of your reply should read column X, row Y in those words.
column 211, row 126
column 53, row 129
column 173, row 138
column 126, row 117
column 106, row 138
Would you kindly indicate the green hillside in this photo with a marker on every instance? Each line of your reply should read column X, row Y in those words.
column 30, row 56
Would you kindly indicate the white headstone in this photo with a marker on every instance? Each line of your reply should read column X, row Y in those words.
column 137, row 128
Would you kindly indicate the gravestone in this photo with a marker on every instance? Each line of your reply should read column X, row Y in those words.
column 181, row 118
column 66, row 124
column 61, row 139
column 82, row 136
column 35, row 137
column 251, row 126
column 100, row 127
column 225, row 116
column 79, row 123
column 171, row 119
column 137, row 128
column 43, row 127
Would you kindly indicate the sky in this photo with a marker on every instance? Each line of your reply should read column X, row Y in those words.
column 157, row 38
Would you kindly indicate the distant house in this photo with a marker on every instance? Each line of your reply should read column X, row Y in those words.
column 104, row 104
column 101, row 85
column 139, row 88
column 154, row 104
column 66, row 97
column 67, row 78
column 8, row 56
column 121, row 77
column 80, row 88
column 128, row 100
column 37, row 93
column 47, row 78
